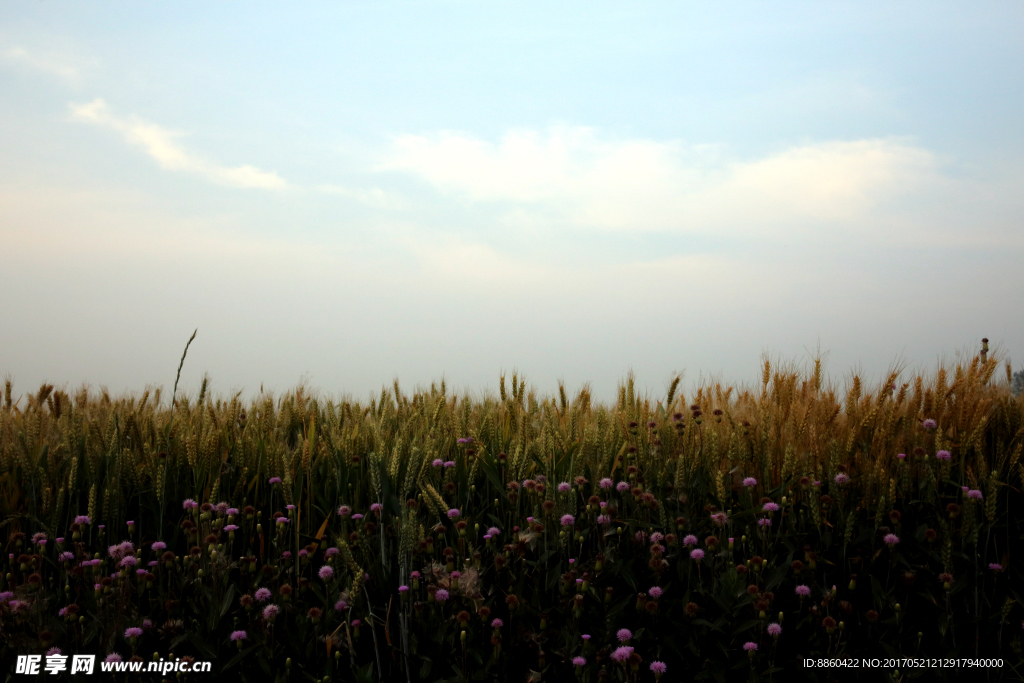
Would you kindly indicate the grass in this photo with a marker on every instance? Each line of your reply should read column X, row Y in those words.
column 429, row 474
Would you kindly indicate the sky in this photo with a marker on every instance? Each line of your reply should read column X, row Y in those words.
column 339, row 194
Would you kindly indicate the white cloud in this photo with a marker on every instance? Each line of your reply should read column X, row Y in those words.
column 159, row 143
column 61, row 65
column 571, row 175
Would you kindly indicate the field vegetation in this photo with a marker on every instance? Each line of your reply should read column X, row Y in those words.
column 725, row 535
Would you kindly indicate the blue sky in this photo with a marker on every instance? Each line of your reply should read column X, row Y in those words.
column 345, row 193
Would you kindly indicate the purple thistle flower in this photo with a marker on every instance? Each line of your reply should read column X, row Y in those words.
column 140, row 572
column 326, row 572
column 283, row 520
column 891, row 539
column 232, row 511
column 331, row 552
column 497, row 623
column 564, row 487
column 975, row 494
column 158, row 545
column 270, row 611
column 340, row 606
column 770, row 507
column 841, row 478
column 689, row 540
column 719, row 518
column 585, row 637
column 749, row 646
column 54, row 651
column 622, row 487
column 655, row 592
column 453, row 513
column 83, row 519
column 697, row 554
column 289, row 507
column 231, row 527
column 764, row 521
column 113, row 657
column 189, row 504
column 774, row 630
column 658, row 668
column 239, row 635
column 262, row 595
column 995, row 566
column 376, row 507
column 568, row 520
column 441, row 595
column 606, row 483
column 66, row 556
column 449, row 463
column 621, row 654
column 275, row 480
column 129, row 561
column 344, row 511
column 579, row 661
column 623, row 634
column 803, row 591
column 133, row 632
column 750, row 481
column 929, row 424
column 943, row 455
column 901, row 456
column 494, row 532
column 604, row 520
column 438, row 462
column 403, row 589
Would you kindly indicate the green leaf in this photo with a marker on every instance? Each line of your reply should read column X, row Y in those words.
column 239, row 657
column 202, row 645
column 225, row 605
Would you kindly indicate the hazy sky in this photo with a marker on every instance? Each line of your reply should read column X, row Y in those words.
column 349, row 192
